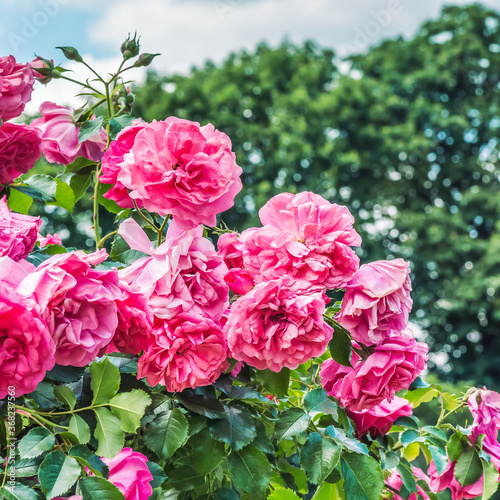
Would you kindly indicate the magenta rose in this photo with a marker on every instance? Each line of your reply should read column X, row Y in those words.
column 186, row 351
column 18, row 233
column 230, row 247
column 19, row 150
column 378, row 420
column 377, row 301
column 16, row 86
column 305, row 237
column 177, row 167
column 129, row 472
column 60, row 136
column 274, row 327
column 26, row 347
column 240, row 281
column 394, row 365
column 485, row 408
column 79, row 304
column 395, row 481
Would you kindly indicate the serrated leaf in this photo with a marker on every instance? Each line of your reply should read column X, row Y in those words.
column 226, row 494
column 317, row 401
column 184, row 478
column 65, row 374
column 64, row 394
column 129, row 407
column 362, row 475
column 251, row 470
column 411, row 451
column 434, row 431
column 450, row 401
column 158, row 474
column 166, row 433
column 89, row 459
column 490, row 479
column 468, row 468
column 28, row 467
column 276, row 383
column 79, row 184
column 97, row 488
column 18, row 491
column 346, row 442
column 236, row 428
column 36, row 442
column 80, row 429
column 291, row 422
column 210, row 408
column 421, row 395
column 64, row 196
column 108, row 433
column 90, row 128
column 44, row 396
column 407, row 421
column 44, row 185
column 410, row 436
column 105, row 381
column 207, row 452
column 19, row 201
column 319, row 456
column 340, row 346
column 81, row 164
column 57, row 474
column 407, row 478
column 283, row 494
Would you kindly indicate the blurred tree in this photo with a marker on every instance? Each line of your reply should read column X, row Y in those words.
column 407, row 138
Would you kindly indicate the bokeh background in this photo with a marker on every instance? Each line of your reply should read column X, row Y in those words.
column 391, row 107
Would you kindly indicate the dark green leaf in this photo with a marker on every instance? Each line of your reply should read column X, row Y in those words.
column 44, row 396
column 340, row 346
column 407, row 421
column 184, row 478
column 79, row 184
column 317, row 401
column 110, row 205
column 105, row 381
column 226, row 494
column 362, row 475
column 89, row 459
column 251, row 470
column 319, row 456
column 64, row 394
column 65, row 374
column 97, row 488
column 166, row 433
column 108, row 433
column 468, row 468
column 158, row 474
column 210, row 408
column 291, row 422
column 434, row 431
column 82, row 165
column 90, row 128
column 406, row 474
column 28, row 467
column 439, row 456
column 207, row 452
column 275, row 383
column 455, row 446
column 18, row 491
column 236, row 428
column 36, row 442
column 57, row 474
column 411, row 436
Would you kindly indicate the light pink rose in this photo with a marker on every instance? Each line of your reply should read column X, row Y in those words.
column 378, row 420
column 111, row 165
column 187, row 351
column 230, row 247
column 274, row 327
column 485, row 408
column 79, row 304
column 377, row 301
column 306, row 237
column 26, row 347
column 60, row 136
column 184, row 274
column 20, row 148
column 135, row 319
column 394, row 365
column 394, row 480
column 129, row 472
column 240, row 281
column 50, row 239
column 177, row 167
column 18, row 233
column 16, row 86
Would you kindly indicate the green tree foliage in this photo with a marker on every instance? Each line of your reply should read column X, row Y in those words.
column 407, row 138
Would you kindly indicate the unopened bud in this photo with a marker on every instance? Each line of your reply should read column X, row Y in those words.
column 71, row 53
column 145, row 60
column 130, row 47
column 43, row 69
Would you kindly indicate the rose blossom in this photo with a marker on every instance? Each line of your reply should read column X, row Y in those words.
column 485, row 408
column 377, row 301
column 79, row 304
column 19, row 150
column 60, row 136
column 394, row 365
column 306, row 237
column 129, row 472
column 50, row 239
column 26, row 347
column 230, row 247
column 16, row 86
column 186, row 351
column 240, row 281
column 273, row 327
column 42, row 64
column 18, row 233
column 177, row 167
column 395, row 481
column 378, row 420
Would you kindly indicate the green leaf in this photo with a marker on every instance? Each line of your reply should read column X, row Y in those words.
column 236, row 428
column 97, row 488
column 45, row 185
column 490, row 480
column 434, row 431
column 19, row 201
column 455, row 446
column 110, row 205
column 291, row 422
column 129, row 407
column 450, row 401
column 64, row 394
column 422, row 395
column 90, row 128
column 439, row 456
column 363, row 478
column 105, row 381
column 207, row 452
column 276, row 383
column 340, row 346
column 283, row 494
column 44, row 396
column 108, row 433
column 251, row 470
column 89, row 459
column 79, row 184
column 406, row 474
column 226, row 494
column 328, row 491
column 36, row 442
column 65, row 374
column 80, row 429
column 468, row 468
column 407, row 421
column 318, row 457
column 158, row 474
column 57, row 474
column 184, row 478
column 64, row 196
column 317, row 401
column 166, row 433
column 347, row 443
column 82, row 165
column 18, row 491
column 210, row 408
column 28, row 467
column 411, row 436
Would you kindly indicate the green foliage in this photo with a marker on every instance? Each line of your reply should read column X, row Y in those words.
column 57, row 474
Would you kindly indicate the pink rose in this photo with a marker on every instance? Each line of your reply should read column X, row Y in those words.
column 394, row 480
column 378, row 420
column 184, row 274
column 16, row 86
column 111, row 165
column 79, row 304
column 60, row 136
column 273, row 327
column 230, row 247
column 485, row 408
column 18, row 233
column 175, row 167
column 129, row 472
column 135, row 319
column 394, row 365
column 19, row 150
column 377, row 301
column 26, row 347
column 240, row 281
column 187, row 351
column 50, row 239
column 42, row 64
column 305, row 237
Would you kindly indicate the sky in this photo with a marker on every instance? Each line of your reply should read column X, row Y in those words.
column 188, row 32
